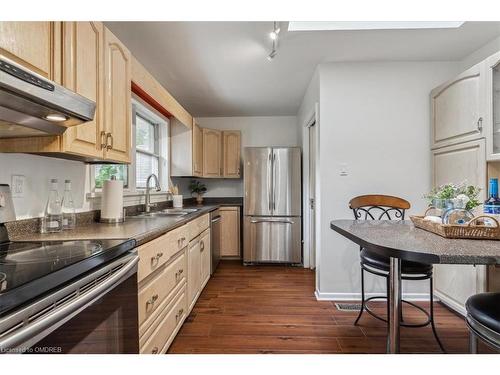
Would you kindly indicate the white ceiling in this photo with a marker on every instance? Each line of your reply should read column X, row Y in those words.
column 220, row 68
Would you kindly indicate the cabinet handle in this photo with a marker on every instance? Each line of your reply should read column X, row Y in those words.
column 202, row 245
column 480, row 124
column 154, row 350
column 156, row 258
column 152, row 300
column 103, row 139
column 109, row 146
column 179, row 314
column 178, row 275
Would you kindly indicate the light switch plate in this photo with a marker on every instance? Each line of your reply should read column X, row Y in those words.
column 18, row 185
column 343, row 170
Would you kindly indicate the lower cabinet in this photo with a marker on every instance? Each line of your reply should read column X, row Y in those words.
column 230, row 232
column 194, row 275
column 172, row 273
column 453, row 284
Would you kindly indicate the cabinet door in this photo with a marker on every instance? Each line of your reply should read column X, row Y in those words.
column 230, row 232
column 232, row 152
column 212, row 153
column 194, row 274
column 117, row 99
column 457, row 108
column 492, row 119
column 467, row 161
column 83, row 73
column 197, row 150
column 206, row 257
column 32, row 44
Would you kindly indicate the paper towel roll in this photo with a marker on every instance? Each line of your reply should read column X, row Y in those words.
column 112, row 201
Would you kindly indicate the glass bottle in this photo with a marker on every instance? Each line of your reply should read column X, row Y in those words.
column 492, row 204
column 68, row 208
column 53, row 212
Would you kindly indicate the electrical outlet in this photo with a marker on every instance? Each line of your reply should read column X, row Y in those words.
column 18, row 186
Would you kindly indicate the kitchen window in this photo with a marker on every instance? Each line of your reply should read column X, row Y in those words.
column 150, row 151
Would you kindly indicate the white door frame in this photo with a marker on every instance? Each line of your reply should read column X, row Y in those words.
column 312, row 119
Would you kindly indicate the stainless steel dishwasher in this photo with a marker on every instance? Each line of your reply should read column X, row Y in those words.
column 215, row 239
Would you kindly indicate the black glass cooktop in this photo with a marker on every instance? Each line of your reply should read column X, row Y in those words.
column 29, row 269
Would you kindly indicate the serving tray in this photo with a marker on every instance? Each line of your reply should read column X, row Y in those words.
column 473, row 230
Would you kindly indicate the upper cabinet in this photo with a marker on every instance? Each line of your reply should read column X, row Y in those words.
column 212, row 153
column 86, row 58
column 197, row 150
column 492, row 120
column 458, row 108
column 117, row 99
column 83, row 73
column 231, row 153
column 35, row 45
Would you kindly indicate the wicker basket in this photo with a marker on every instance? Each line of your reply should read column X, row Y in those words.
column 468, row 231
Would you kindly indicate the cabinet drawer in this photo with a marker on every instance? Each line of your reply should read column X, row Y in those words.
column 156, row 291
column 170, row 318
column 158, row 251
column 198, row 225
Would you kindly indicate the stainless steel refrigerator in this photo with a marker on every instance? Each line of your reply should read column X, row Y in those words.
column 272, row 229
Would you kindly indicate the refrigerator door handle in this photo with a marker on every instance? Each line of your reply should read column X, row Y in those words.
column 274, row 181
column 270, row 186
column 255, row 221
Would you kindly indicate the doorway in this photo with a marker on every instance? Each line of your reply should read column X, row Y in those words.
column 311, row 204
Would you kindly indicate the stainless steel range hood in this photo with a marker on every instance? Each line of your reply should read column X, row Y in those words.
column 32, row 106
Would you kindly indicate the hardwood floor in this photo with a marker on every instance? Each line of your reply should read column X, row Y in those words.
column 272, row 309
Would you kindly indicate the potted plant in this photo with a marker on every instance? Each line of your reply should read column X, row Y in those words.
column 198, row 188
column 450, row 196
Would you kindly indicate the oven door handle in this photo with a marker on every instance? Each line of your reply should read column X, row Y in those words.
column 26, row 336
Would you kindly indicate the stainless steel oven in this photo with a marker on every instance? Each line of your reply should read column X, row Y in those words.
column 94, row 313
column 215, row 239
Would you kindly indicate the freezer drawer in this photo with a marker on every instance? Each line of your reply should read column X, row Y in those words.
column 272, row 239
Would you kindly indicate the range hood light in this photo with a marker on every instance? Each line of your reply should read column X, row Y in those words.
column 56, row 117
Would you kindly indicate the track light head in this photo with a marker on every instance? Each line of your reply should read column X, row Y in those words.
column 272, row 55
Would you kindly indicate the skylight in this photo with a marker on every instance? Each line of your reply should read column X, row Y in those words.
column 370, row 25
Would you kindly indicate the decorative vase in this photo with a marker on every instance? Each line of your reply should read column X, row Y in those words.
column 199, row 198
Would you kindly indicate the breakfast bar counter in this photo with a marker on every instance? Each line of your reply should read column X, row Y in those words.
column 400, row 240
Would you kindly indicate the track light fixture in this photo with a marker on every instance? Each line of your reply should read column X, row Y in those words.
column 274, row 37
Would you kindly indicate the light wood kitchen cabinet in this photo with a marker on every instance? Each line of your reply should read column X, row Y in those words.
column 194, row 274
column 197, row 150
column 117, row 99
column 35, row 45
column 96, row 65
column 492, row 119
column 230, row 232
column 186, row 149
column 83, row 73
column 206, row 257
column 458, row 108
column 453, row 284
column 212, row 147
column 231, row 154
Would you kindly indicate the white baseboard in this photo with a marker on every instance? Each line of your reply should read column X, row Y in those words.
column 321, row 296
column 454, row 305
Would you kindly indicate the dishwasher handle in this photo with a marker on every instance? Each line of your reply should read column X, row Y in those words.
column 216, row 219
column 32, row 332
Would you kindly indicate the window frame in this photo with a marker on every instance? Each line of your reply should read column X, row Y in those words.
column 162, row 152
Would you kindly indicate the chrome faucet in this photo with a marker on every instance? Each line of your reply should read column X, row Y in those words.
column 148, row 203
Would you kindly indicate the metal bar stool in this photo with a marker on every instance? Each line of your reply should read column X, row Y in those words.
column 483, row 320
column 385, row 207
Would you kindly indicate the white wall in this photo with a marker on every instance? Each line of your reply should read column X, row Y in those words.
column 480, row 54
column 255, row 131
column 38, row 170
column 375, row 118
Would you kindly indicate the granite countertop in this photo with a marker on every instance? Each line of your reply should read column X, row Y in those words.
column 402, row 240
column 141, row 229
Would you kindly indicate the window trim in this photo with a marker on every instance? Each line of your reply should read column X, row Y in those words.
column 162, row 152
